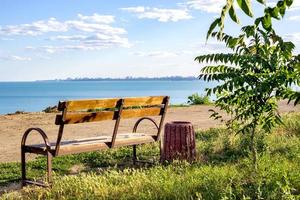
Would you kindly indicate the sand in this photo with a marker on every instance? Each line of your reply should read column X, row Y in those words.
column 12, row 127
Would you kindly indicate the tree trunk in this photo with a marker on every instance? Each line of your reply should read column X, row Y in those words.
column 253, row 148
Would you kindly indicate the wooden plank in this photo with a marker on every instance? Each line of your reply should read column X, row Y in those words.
column 143, row 112
column 82, row 117
column 77, row 105
column 94, row 146
column 74, row 118
column 72, row 149
column 133, row 141
column 93, row 143
column 91, row 104
column 143, row 101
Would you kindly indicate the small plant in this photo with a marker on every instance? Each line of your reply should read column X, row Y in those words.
column 178, row 105
column 18, row 112
column 196, row 99
column 257, row 73
column 50, row 109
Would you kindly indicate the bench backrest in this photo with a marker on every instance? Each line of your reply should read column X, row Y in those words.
column 82, row 111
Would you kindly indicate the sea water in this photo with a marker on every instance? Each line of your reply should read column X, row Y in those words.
column 36, row 96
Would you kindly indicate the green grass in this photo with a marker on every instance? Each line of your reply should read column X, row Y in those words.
column 121, row 157
column 222, row 171
column 179, row 105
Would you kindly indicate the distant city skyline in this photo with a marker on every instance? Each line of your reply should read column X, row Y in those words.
column 57, row 39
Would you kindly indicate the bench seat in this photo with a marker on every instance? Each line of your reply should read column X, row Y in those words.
column 94, row 143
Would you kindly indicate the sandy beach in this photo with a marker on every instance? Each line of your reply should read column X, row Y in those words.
column 13, row 126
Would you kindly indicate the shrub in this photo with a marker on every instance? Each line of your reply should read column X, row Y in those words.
column 50, row 109
column 18, row 112
column 291, row 125
column 196, row 99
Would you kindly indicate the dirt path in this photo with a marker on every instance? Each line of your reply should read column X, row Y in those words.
column 12, row 127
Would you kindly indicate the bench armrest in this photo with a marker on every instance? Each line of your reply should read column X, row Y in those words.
column 41, row 132
column 141, row 119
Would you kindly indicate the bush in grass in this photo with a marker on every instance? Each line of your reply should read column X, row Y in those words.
column 50, row 109
column 196, row 99
column 291, row 125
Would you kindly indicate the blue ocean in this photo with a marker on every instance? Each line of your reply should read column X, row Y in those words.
column 36, row 96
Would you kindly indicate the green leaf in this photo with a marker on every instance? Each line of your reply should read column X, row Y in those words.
column 289, row 2
column 257, row 21
column 232, row 42
column 275, row 12
column 261, row 1
column 233, row 16
column 212, row 27
column 282, row 7
column 245, row 5
column 266, row 22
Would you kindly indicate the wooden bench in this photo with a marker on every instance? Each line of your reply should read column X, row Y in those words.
column 82, row 111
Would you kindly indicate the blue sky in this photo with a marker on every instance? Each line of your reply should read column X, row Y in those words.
column 87, row 38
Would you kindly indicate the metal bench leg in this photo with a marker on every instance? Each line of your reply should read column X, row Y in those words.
column 134, row 154
column 49, row 168
column 23, row 166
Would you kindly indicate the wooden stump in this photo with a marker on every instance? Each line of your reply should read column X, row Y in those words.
column 178, row 142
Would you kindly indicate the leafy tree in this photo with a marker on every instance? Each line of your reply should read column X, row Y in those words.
column 260, row 71
column 245, row 5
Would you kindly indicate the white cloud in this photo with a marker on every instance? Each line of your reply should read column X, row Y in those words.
column 198, row 49
column 162, row 15
column 156, row 54
column 81, row 42
column 105, row 19
column 95, row 23
column 93, row 27
column 6, row 39
column 68, row 37
column 138, row 9
column 210, row 6
column 14, row 58
column 295, row 6
column 294, row 18
column 88, row 33
column 35, row 28
column 294, row 37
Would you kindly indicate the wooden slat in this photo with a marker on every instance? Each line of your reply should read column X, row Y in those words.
column 143, row 101
column 94, row 143
column 78, row 105
column 82, row 117
column 74, row 118
column 71, row 149
column 133, row 141
column 133, row 113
